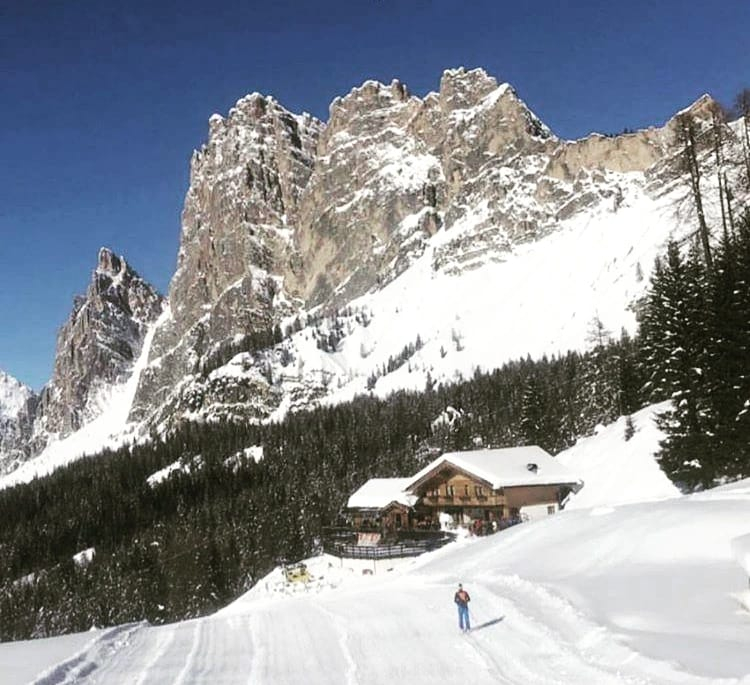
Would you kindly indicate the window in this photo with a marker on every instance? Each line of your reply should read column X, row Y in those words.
column 479, row 490
column 449, row 491
column 466, row 490
column 550, row 509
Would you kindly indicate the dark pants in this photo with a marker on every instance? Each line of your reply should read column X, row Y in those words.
column 463, row 617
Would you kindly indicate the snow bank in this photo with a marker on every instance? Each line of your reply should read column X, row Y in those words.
column 619, row 471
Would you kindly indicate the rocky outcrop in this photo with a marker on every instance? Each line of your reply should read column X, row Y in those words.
column 374, row 186
column 96, row 347
column 17, row 406
column 237, row 244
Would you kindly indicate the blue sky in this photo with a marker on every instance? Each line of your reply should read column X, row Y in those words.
column 102, row 103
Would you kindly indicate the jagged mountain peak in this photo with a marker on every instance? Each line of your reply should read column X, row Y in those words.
column 702, row 109
column 372, row 90
column 252, row 108
column 461, row 88
column 109, row 263
column 14, row 395
column 97, row 346
column 368, row 105
column 119, row 285
column 17, row 406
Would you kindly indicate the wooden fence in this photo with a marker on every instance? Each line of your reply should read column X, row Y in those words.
column 410, row 548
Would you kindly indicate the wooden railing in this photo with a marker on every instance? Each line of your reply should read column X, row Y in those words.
column 407, row 548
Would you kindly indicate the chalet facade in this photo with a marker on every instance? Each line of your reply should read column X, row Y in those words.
column 490, row 487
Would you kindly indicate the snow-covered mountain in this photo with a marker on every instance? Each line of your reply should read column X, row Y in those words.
column 17, row 406
column 649, row 592
column 405, row 241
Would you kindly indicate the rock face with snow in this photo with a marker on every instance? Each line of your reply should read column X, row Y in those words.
column 17, row 405
column 285, row 214
column 96, row 347
column 237, row 245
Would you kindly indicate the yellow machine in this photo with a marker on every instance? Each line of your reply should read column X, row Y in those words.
column 297, row 573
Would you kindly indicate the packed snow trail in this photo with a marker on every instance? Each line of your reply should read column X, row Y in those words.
column 399, row 629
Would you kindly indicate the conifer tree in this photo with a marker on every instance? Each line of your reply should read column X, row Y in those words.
column 675, row 347
column 688, row 132
column 534, row 423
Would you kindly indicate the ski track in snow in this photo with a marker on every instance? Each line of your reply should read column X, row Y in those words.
column 80, row 666
column 400, row 629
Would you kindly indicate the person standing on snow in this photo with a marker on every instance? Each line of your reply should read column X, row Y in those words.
column 462, row 599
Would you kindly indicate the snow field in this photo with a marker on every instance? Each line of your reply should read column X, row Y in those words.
column 616, row 471
column 499, row 311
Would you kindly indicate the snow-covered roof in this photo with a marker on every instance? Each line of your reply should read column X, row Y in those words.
column 377, row 493
column 502, row 468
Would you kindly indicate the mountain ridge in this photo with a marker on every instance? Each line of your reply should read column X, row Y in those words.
column 467, row 174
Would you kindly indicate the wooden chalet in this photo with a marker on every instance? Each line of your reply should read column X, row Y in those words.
column 486, row 489
column 491, row 485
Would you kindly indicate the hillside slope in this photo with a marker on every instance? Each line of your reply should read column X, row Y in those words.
column 585, row 597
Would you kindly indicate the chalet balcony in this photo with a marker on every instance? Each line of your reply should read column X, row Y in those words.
column 435, row 500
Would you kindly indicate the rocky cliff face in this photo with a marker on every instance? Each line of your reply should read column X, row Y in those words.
column 17, row 406
column 96, row 347
column 237, row 245
column 286, row 216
